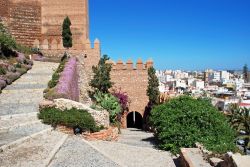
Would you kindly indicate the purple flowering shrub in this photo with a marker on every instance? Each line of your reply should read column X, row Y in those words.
column 67, row 86
column 68, row 81
column 123, row 99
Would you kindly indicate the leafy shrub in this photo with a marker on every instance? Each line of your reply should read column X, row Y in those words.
column 53, row 82
column 2, row 71
column 109, row 103
column 183, row 121
column 18, row 65
column 55, row 77
column 51, row 94
column 69, row 118
column 21, row 70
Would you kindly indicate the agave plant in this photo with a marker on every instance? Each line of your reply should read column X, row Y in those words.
column 109, row 103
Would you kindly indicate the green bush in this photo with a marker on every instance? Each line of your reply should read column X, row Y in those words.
column 183, row 121
column 21, row 70
column 55, row 77
column 53, row 82
column 69, row 118
column 2, row 71
column 18, row 65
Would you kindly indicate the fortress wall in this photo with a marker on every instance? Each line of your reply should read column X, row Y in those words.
column 55, row 11
column 4, row 8
column 134, row 81
column 23, row 18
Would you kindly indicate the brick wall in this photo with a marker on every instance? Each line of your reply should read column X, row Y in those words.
column 23, row 18
column 4, row 8
column 53, row 14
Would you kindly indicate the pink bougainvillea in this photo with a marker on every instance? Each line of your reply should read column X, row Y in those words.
column 122, row 97
column 67, row 86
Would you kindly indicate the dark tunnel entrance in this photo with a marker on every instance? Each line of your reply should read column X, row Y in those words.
column 134, row 120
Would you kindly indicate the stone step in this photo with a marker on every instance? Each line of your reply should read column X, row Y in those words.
column 142, row 143
column 25, row 86
column 18, row 108
column 36, row 152
column 8, row 123
column 132, row 156
column 19, row 132
column 75, row 152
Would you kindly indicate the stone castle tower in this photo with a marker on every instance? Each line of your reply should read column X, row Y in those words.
column 38, row 23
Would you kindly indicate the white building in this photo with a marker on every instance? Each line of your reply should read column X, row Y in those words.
column 199, row 84
column 163, row 87
column 214, row 76
column 224, row 75
column 178, row 74
column 180, row 83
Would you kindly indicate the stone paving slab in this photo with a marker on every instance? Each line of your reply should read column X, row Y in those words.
column 132, row 156
column 76, row 153
column 16, row 133
column 12, row 109
column 16, row 122
column 32, row 153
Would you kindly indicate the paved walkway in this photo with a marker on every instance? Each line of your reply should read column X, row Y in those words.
column 135, row 148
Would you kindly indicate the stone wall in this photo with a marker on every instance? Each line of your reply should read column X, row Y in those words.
column 23, row 19
column 4, row 5
column 40, row 21
column 53, row 14
column 134, row 81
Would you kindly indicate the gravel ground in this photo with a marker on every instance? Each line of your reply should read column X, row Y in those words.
column 76, row 153
column 32, row 153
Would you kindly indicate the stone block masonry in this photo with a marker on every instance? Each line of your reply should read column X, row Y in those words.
column 23, row 19
column 30, row 21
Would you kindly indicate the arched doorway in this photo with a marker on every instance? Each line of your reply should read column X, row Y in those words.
column 134, row 120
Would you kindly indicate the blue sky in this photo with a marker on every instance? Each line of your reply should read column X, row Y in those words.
column 176, row 34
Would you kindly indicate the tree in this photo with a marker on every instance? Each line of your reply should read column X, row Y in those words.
column 101, row 80
column 66, row 33
column 245, row 73
column 153, row 87
column 183, row 121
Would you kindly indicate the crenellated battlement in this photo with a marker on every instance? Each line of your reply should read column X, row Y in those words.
column 57, row 44
column 129, row 65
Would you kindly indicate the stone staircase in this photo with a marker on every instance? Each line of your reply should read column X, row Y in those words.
column 24, row 140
